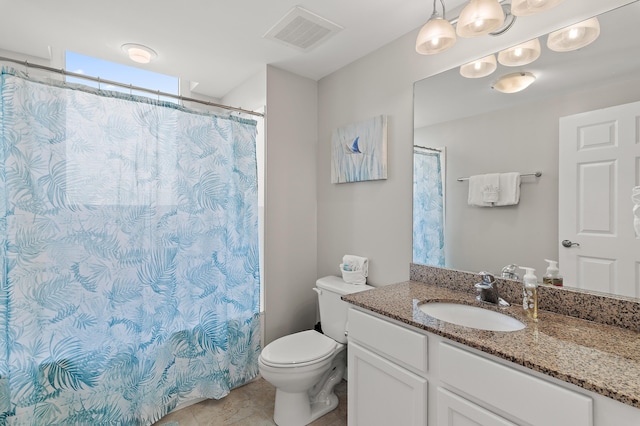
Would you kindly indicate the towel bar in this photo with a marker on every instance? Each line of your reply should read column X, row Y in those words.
column 536, row 174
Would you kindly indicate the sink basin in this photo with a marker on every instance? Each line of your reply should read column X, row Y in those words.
column 471, row 316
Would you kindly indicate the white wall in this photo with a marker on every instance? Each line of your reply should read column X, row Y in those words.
column 290, row 216
column 373, row 219
column 524, row 139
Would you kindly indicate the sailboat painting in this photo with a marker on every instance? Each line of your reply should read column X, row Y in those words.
column 359, row 151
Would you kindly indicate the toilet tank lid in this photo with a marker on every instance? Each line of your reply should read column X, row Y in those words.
column 339, row 286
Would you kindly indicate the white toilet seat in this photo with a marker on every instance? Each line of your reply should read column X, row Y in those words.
column 299, row 350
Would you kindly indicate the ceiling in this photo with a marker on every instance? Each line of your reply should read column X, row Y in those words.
column 218, row 44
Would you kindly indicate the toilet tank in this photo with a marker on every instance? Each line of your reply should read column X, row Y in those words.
column 333, row 310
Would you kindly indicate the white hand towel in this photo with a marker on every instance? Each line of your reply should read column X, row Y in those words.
column 509, row 189
column 355, row 263
column 491, row 188
column 476, row 191
column 355, row 269
column 509, row 193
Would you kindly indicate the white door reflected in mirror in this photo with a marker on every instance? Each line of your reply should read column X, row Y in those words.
column 600, row 161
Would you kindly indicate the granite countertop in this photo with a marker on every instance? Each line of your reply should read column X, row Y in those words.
column 601, row 358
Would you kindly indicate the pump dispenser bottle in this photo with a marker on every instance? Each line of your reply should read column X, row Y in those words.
column 530, row 293
column 552, row 276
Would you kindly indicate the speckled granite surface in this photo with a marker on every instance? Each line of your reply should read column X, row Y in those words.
column 601, row 358
column 606, row 309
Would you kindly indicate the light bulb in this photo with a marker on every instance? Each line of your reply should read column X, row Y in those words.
column 575, row 36
column 522, row 54
column 480, row 17
column 479, row 68
column 530, row 7
column 435, row 36
column 513, row 83
column 139, row 53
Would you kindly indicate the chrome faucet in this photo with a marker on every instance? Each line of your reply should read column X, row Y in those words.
column 488, row 289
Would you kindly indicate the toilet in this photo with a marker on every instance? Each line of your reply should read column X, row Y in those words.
column 305, row 367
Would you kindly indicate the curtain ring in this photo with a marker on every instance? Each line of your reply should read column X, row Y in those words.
column 158, row 92
column 98, row 83
column 130, row 90
column 26, row 66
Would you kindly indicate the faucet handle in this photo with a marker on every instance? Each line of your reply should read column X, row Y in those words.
column 487, row 277
column 488, row 281
column 509, row 271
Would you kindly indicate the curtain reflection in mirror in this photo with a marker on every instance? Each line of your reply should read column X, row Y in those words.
column 428, row 206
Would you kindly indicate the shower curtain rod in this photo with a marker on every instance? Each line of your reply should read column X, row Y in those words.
column 127, row 86
column 428, row 149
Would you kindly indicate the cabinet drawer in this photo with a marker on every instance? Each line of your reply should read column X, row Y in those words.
column 453, row 410
column 396, row 342
column 528, row 398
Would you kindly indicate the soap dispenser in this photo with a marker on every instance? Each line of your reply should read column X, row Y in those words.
column 530, row 293
column 552, row 275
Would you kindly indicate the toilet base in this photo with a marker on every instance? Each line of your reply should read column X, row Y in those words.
column 302, row 408
column 298, row 411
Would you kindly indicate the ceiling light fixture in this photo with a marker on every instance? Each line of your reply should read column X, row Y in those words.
column 139, row 53
column 509, row 20
column 575, row 36
column 519, row 55
column 529, row 7
column 479, row 68
column 436, row 35
column 515, row 82
column 480, row 17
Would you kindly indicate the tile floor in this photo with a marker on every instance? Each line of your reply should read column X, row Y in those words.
column 248, row 405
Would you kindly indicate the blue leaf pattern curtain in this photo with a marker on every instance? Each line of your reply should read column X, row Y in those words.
column 428, row 214
column 129, row 246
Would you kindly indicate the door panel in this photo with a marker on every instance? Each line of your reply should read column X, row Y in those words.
column 599, row 157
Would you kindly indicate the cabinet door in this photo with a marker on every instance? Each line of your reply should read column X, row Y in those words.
column 382, row 393
column 456, row 411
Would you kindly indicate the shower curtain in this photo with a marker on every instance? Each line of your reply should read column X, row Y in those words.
column 129, row 250
column 428, row 213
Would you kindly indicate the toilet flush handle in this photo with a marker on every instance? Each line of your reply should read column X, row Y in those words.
column 317, row 290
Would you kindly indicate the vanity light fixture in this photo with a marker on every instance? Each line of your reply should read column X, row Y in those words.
column 515, row 82
column 575, row 36
column 480, row 17
column 522, row 54
column 479, row 68
column 529, row 7
column 139, row 53
column 436, row 35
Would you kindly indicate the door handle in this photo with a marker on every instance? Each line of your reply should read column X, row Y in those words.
column 568, row 243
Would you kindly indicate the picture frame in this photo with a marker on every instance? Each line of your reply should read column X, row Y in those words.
column 359, row 151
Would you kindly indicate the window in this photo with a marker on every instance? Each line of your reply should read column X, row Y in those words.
column 94, row 67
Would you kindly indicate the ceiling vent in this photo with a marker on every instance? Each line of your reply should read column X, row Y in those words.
column 302, row 29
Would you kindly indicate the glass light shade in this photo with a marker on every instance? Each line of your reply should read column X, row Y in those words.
column 529, row 7
column 574, row 37
column 521, row 54
column 435, row 36
column 480, row 17
column 479, row 68
column 139, row 53
column 515, row 82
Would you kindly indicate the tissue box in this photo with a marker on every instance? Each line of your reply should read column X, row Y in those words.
column 353, row 277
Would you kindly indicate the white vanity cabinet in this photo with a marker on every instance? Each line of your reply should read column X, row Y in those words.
column 386, row 378
column 516, row 395
column 396, row 378
column 454, row 410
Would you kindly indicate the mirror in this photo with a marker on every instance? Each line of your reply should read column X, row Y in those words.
column 485, row 131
